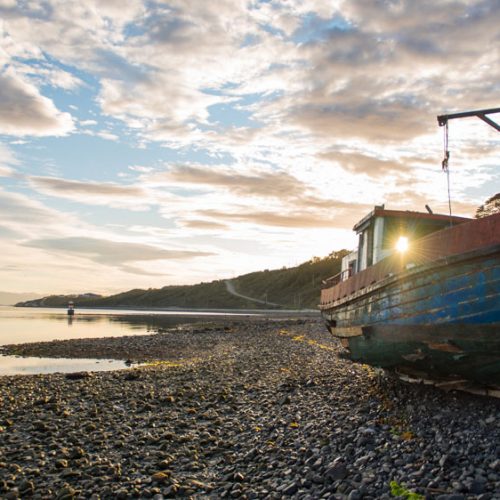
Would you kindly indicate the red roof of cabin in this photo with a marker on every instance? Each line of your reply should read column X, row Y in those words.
column 382, row 212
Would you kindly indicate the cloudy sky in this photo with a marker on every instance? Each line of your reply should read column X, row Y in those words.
column 147, row 143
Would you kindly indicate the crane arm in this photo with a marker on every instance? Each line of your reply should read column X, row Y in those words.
column 481, row 113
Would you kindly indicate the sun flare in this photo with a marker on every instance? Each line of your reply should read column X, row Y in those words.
column 402, row 244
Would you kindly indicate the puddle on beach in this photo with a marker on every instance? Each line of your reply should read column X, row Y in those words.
column 17, row 365
column 26, row 325
column 20, row 325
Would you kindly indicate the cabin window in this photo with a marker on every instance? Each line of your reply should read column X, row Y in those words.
column 369, row 244
column 411, row 228
column 394, row 228
column 360, row 251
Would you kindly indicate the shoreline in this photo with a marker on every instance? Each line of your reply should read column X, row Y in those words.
column 269, row 311
column 240, row 409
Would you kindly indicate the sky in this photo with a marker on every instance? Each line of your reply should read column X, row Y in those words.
column 154, row 143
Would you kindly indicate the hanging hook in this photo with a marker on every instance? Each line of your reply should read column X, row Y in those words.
column 446, row 158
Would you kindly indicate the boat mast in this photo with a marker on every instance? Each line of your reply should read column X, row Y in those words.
column 480, row 113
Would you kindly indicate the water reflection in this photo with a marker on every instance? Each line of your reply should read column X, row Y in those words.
column 20, row 325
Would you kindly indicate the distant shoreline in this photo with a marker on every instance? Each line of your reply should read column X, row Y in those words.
column 271, row 312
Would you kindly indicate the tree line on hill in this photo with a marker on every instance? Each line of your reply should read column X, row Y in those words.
column 489, row 207
column 287, row 288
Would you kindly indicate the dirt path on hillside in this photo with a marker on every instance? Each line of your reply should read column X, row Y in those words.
column 230, row 288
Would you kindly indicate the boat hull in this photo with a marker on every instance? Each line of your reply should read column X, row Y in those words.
column 452, row 351
column 441, row 319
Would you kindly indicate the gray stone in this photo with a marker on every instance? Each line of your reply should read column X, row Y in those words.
column 336, row 470
column 290, row 489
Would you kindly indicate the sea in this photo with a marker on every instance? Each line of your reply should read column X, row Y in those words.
column 20, row 325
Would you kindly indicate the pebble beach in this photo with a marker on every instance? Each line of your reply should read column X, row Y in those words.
column 247, row 408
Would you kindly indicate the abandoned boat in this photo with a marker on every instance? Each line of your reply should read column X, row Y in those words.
column 422, row 292
column 420, row 295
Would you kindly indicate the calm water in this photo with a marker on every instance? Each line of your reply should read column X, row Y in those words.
column 24, row 324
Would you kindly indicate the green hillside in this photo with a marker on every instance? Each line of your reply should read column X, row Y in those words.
column 290, row 288
column 296, row 287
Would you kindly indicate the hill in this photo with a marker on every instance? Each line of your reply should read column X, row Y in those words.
column 290, row 288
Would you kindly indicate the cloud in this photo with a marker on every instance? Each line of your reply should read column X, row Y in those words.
column 77, row 187
column 228, row 197
column 230, row 184
column 60, row 79
column 99, row 193
column 118, row 12
column 6, row 232
column 376, row 122
column 387, row 75
column 265, row 184
column 25, row 217
column 24, row 111
column 410, row 199
column 162, row 105
column 113, row 253
column 407, row 16
column 7, row 161
column 364, row 164
column 380, row 76
column 289, row 220
column 6, row 171
column 17, row 210
column 203, row 224
column 43, row 74
column 143, row 272
column 108, row 136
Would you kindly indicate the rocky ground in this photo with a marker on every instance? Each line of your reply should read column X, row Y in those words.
column 248, row 409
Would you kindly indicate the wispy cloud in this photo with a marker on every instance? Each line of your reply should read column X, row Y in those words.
column 267, row 184
column 291, row 220
column 203, row 224
column 110, row 194
column 23, row 215
column 7, row 161
column 114, row 253
column 364, row 164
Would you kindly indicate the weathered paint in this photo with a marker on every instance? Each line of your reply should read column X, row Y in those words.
column 465, row 290
column 441, row 316
column 464, row 351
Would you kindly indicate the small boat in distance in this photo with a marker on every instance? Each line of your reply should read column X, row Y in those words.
column 71, row 308
column 421, row 294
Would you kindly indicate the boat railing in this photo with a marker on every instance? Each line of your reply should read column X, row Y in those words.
column 337, row 278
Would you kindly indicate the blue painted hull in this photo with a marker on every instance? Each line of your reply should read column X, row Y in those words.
column 441, row 318
column 465, row 289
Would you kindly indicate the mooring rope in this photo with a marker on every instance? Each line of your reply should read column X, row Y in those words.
column 445, row 163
